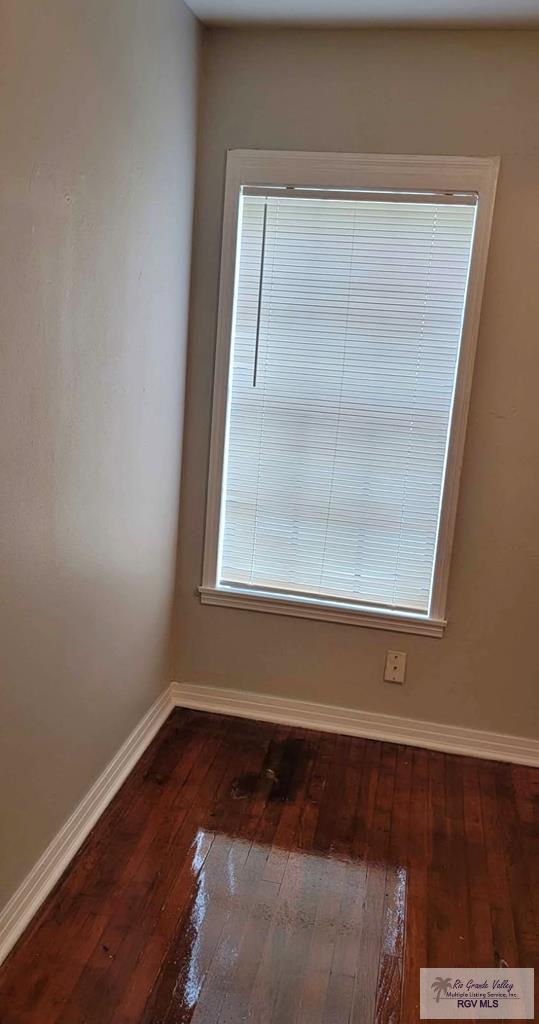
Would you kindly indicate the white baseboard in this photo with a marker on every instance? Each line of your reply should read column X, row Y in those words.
column 27, row 899
column 413, row 732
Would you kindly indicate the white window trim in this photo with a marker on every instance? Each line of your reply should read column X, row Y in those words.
column 349, row 171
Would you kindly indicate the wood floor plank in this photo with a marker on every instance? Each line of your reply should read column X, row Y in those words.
column 294, row 829
column 251, row 872
column 296, row 901
column 388, row 996
column 315, row 798
column 519, row 882
column 417, row 893
column 503, row 926
column 480, row 923
column 376, row 853
column 321, row 962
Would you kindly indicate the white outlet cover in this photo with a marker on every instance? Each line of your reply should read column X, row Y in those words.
column 395, row 667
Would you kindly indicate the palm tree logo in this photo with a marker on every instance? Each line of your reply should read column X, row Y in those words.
column 440, row 986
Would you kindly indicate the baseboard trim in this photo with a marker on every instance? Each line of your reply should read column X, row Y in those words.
column 28, row 898
column 413, row 732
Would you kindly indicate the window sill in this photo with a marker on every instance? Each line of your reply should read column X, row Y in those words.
column 329, row 611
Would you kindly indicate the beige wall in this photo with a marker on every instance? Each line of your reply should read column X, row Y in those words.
column 97, row 124
column 391, row 92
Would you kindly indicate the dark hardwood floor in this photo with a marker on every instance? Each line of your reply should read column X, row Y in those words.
column 253, row 872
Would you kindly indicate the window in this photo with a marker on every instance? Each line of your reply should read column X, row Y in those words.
column 349, row 304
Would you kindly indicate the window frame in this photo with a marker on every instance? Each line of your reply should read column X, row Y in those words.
column 348, row 171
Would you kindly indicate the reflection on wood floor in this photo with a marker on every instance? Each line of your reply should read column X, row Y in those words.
column 250, row 872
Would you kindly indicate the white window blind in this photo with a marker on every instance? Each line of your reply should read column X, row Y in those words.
column 346, row 329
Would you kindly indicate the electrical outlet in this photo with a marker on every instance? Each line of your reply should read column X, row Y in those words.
column 395, row 670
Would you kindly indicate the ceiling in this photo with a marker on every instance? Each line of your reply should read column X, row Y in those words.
column 394, row 13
